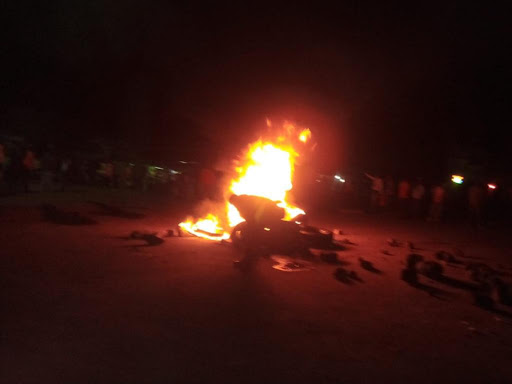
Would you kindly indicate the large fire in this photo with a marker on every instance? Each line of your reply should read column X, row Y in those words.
column 266, row 170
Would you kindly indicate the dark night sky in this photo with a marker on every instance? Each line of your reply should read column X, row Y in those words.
column 379, row 86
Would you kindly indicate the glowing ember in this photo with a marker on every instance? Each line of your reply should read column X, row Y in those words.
column 265, row 170
column 457, row 179
column 305, row 135
column 491, row 186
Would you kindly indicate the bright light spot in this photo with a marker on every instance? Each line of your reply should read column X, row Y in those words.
column 491, row 186
column 266, row 229
column 339, row 178
column 457, row 179
column 305, row 135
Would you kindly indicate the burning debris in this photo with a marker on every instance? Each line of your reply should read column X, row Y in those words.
column 257, row 212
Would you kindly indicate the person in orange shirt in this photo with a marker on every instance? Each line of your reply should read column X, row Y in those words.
column 436, row 205
column 29, row 164
column 404, row 190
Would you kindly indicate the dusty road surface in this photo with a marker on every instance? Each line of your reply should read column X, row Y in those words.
column 82, row 304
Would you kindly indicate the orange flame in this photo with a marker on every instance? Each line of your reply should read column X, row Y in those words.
column 266, row 170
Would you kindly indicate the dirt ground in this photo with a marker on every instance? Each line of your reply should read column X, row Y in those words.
column 83, row 304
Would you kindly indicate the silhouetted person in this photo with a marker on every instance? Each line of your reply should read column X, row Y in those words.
column 436, row 205
column 377, row 190
column 404, row 190
column 3, row 161
column 259, row 213
column 389, row 192
column 418, row 194
column 476, row 197
column 48, row 170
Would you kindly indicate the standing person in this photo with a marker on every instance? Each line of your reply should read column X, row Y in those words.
column 109, row 174
column 2, row 165
column 376, row 192
column 389, row 192
column 206, row 183
column 436, row 205
column 404, row 190
column 64, row 172
column 418, row 193
column 475, row 200
column 29, row 164
column 48, row 168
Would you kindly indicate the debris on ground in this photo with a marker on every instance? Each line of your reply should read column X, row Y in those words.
column 347, row 241
column 482, row 297
column 169, row 233
column 447, row 257
column 367, row 265
column 337, row 231
column 58, row 216
column 480, row 272
column 346, row 276
column 410, row 274
column 386, row 252
column 413, row 259
column 150, row 238
column 504, row 291
column 393, row 243
column 285, row 264
column 411, row 246
column 431, row 269
column 329, row 257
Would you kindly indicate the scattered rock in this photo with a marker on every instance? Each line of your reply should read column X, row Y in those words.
column 458, row 253
column 330, row 258
column 482, row 297
column 431, row 269
column 149, row 238
column 410, row 276
column 412, row 260
column 345, row 276
column 152, row 239
column 367, row 265
column 504, row 292
column 447, row 257
column 393, row 243
column 480, row 272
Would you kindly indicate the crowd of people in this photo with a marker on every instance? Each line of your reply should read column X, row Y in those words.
column 23, row 169
column 438, row 200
